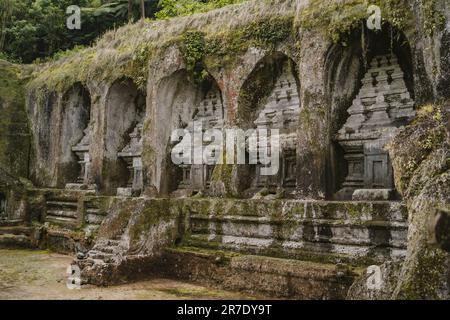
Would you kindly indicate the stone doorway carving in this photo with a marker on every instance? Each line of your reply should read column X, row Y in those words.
column 210, row 113
column 132, row 155
column 279, row 110
column 381, row 106
column 76, row 138
column 84, row 160
column 122, row 170
column 3, row 213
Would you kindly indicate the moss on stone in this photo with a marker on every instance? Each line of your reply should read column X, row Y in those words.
column 433, row 19
column 426, row 279
column 336, row 19
column 419, row 155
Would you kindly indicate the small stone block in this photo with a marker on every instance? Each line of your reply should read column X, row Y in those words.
column 124, row 192
column 372, row 195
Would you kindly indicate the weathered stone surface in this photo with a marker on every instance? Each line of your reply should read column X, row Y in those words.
column 93, row 109
column 441, row 229
column 382, row 104
column 373, row 195
column 264, row 275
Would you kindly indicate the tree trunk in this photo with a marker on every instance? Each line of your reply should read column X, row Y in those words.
column 130, row 10
column 142, row 9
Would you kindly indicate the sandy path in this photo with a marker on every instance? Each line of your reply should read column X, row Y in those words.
column 26, row 274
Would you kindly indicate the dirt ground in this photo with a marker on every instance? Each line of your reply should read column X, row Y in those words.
column 27, row 274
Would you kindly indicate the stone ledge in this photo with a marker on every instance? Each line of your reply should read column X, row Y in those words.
column 257, row 274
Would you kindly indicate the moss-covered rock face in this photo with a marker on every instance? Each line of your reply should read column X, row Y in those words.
column 421, row 160
column 336, row 19
column 14, row 134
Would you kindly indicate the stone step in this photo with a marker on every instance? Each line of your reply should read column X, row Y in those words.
column 329, row 231
column 94, row 219
column 292, row 209
column 93, row 211
column 16, row 230
column 11, row 223
column 304, row 250
column 61, row 220
column 257, row 274
column 107, row 242
column 355, row 221
column 107, row 249
column 62, row 213
column 63, row 204
column 100, row 255
column 91, row 261
column 15, row 241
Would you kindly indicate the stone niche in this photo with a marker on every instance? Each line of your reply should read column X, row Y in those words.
column 132, row 155
column 81, row 150
column 210, row 113
column 3, row 213
column 382, row 105
column 369, row 88
column 180, row 102
column 122, row 165
column 74, row 159
column 276, row 108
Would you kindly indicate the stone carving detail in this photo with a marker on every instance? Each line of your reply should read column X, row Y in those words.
column 132, row 154
column 3, row 215
column 211, row 114
column 382, row 105
column 281, row 112
column 81, row 150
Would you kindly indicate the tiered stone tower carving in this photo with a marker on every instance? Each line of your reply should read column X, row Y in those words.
column 281, row 112
column 3, row 215
column 211, row 114
column 81, row 150
column 132, row 154
column 382, row 105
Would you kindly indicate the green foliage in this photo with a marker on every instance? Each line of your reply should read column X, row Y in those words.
column 197, row 48
column 174, row 8
column 193, row 50
column 433, row 19
column 337, row 19
column 37, row 28
column 263, row 33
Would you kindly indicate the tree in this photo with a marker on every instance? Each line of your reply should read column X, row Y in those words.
column 130, row 10
column 142, row 9
column 6, row 10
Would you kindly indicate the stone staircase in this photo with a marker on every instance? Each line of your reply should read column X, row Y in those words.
column 62, row 208
column 74, row 208
column 97, row 263
column 13, row 234
column 93, row 214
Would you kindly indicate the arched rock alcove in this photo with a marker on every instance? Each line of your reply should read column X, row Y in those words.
column 372, row 69
column 3, row 213
column 44, row 115
column 180, row 101
column 125, row 107
column 269, row 99
column 75, row 116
